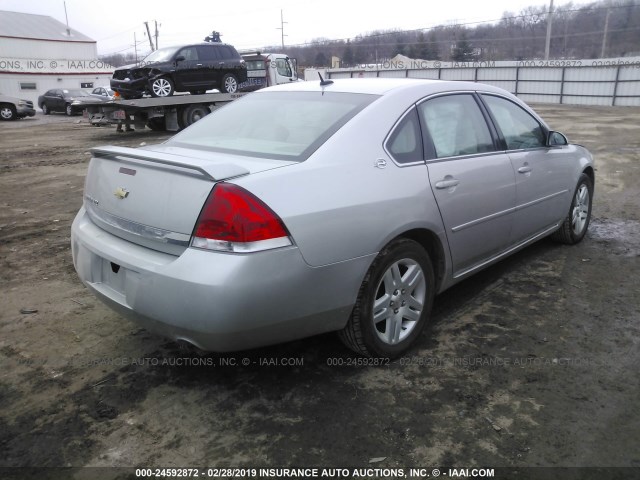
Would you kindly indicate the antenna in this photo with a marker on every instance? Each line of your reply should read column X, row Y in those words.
column 323, row 82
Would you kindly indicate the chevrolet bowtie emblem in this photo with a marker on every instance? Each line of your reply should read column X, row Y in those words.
column 121, row 193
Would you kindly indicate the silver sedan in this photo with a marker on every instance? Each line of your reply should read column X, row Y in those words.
column 324, row 206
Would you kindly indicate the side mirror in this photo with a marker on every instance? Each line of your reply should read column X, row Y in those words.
column 556, row 139
column 180, row 58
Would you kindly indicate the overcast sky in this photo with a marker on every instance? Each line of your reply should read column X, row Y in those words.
column 254, row 24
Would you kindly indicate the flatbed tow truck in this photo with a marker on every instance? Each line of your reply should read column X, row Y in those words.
column 158, row 113
column 176, row 112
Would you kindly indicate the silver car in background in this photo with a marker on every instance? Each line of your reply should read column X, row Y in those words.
column 324, row 206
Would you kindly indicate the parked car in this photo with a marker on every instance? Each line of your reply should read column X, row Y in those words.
column 189, row 68
column 312, row 207
column 104, row 93
column 68, row 101
column 12, row 108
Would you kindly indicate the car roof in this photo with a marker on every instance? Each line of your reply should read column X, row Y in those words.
column 383, row 86
column 216, row 44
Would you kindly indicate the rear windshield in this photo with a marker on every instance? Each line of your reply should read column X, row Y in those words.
column 278, row 125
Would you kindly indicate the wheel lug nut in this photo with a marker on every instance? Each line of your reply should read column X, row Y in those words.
column 396, row 310
column 392, row 303
column 396, row 292
column 403, row 291
column 404, row 303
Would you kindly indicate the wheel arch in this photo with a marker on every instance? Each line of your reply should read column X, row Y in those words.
column 433, row 245
column 589, row 172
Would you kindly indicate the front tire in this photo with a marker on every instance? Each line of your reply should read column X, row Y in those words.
column 68, row 110
column 229, row 83
column 7, row 112
column 575, row 225
column 394, row 302
column 45, row 109
column 161, row 87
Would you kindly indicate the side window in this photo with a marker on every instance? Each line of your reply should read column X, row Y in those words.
column 207, row 52
column 456, row 125
column 405, row 142
column 225, row 52
column 283, row 68
column 189, row 53
column 519, row 128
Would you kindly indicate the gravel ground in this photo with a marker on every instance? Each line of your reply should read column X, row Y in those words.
column 533, row 362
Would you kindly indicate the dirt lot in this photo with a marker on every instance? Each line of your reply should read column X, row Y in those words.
column 533, row 362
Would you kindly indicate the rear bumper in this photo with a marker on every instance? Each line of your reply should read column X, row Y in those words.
column 216, row 301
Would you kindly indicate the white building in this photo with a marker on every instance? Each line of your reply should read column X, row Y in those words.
column 38, row 53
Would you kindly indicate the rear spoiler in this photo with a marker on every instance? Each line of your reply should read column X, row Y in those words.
column 181, row 164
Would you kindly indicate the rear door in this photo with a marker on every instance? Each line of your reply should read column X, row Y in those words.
column 209, row 60
column 472, row 182
column 542, row 197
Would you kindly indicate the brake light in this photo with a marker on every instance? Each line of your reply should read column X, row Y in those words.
column 234, row 220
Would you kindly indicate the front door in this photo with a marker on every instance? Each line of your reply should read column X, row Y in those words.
column 542, row 196
column 188, row 72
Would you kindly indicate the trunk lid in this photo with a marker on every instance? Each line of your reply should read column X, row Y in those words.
column 153, row 196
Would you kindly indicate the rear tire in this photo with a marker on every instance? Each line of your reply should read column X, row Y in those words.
column 575, row 225
column 193, row 113
column 394, row 302
column 229, row 83
column 7, row 112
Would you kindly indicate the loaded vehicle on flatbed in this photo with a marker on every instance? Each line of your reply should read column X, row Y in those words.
column 192, row 68
column 177, row 111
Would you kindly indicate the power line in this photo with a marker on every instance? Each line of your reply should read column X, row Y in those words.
column 558, row 11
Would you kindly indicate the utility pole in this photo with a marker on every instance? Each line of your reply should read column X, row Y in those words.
column 146, row 24
column 606, row 31
column 156, row 22
column 66, row 17
column 135, row 46
column 547, row 43
column 282, row 22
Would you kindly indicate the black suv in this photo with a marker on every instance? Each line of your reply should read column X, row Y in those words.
column 189, row 68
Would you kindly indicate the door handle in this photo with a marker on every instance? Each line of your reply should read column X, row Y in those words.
column 447, row 183
column 198, row 64
column 525, row 169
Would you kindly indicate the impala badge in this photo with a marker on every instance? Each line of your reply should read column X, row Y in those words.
column 121, row 193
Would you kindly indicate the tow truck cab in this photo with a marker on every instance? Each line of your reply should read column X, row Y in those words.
column 267, row 69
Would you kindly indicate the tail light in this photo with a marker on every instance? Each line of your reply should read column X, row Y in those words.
column 234, row 220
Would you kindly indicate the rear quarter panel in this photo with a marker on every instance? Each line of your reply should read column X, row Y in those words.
column 337, row 205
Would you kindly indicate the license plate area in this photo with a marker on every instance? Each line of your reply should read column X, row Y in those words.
column 119, row 115
column 113, row 276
